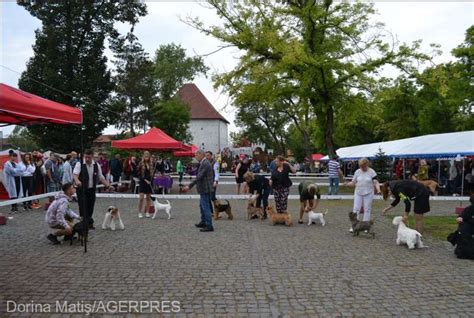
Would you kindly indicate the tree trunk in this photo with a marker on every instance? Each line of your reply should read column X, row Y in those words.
column 329, row 131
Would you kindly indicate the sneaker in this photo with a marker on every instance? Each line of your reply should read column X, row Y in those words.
column 53, row 239
column 207, row 229
column 147, row 215
column 140, row 215
column 351, row 230
column 200, row 225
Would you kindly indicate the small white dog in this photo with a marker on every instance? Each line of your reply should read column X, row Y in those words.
column 313, row 217
column 407, row 236
column 160, row 206
column 112, row 219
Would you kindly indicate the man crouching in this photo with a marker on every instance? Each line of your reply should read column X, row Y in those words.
column 58, row 211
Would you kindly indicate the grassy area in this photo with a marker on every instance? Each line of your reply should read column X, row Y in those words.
column 436, row 226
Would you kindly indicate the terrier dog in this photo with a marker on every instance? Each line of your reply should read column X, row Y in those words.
column 407, row 236
column 112, row 219
column 160, row 206
column 313, row 217
column 358, row 226
column 222, row 206
column 252, row 211
column 279, row 218
column 431, row 185
column 78, row 228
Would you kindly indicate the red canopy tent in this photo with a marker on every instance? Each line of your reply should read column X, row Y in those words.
column 22, row 108
column 188, row 152
column 316, row 156
column 154, row 139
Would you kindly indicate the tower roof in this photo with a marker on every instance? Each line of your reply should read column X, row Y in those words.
column 198, row 104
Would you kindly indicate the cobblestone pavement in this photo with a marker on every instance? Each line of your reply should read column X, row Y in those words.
column 244, row 268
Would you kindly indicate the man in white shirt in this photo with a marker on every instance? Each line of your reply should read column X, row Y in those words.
column 86, row 177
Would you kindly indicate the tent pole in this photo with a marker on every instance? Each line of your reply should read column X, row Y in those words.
column 85, row 217
column 462, row 174
column 404, row 169
column 439, row 170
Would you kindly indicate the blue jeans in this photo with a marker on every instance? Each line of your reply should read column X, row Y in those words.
column 205, row 206
column 333, row 185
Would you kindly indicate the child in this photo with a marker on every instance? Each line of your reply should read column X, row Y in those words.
column 57, row 213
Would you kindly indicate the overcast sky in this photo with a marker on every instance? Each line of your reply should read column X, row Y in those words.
column 444, row 23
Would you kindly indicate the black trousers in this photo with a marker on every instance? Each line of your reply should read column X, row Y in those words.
column 86, row 202
column 27, row 184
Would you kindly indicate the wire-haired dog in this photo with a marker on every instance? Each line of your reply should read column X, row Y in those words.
column 358, row 226
column 252, row 211
column 78, row 228
column 279, row 218
column 222, row 206
column 313, row 217
column 407, row 236
column 112, row 219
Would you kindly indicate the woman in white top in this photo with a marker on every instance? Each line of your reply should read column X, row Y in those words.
column 27, row 168
column 364, row 180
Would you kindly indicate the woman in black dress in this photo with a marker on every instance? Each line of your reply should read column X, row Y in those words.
column 145, row 190
column 259, row 185
column 241, row 169
column 407, row 191
column 281, row 183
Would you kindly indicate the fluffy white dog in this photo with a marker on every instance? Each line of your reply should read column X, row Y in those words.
column 313, row 217
column 112, row 219
column 407, row 236
column 160, row 206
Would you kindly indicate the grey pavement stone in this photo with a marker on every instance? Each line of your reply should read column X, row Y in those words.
column 244, row 268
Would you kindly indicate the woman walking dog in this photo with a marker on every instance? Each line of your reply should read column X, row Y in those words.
column 281, row 183
column 364, row 180
column 406, row 191
column 145, row 190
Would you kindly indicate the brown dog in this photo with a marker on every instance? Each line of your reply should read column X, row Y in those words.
column 431, row 185
column 278, row 218
column 222, row 206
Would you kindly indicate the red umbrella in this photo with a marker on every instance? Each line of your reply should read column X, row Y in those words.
column 19, row 107
column 189, row 152
column 154, row 139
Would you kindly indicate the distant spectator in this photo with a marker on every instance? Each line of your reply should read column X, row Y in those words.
column 12, row 178
column 67, row 171
column 116, row 168
column 334, row 171
column 28, row 169
column 53, row 174
column 180, row 171
column 241, row 169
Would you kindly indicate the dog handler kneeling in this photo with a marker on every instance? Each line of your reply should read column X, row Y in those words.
column 58, row 211
column 261, row 186
column 407, row 190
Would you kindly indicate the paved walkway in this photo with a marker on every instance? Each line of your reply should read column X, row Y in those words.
column 244, row 268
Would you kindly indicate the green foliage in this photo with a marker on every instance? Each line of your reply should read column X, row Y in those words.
column 69, row 56
column 172, row 69
column 382, row 165
column 172, row 116
column 135, row 88
column 21, row 139
column 309, row 55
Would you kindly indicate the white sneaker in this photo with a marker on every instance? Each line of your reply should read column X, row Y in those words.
column 140, row 215
column 351, row 230
column 147, row 215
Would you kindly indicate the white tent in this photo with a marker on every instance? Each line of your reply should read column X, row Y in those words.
column 448, row 145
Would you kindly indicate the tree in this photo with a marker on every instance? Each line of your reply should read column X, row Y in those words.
column 322, row 50
column 21, row 139
column 172, row 69
column 135, row 87
column 172, row 116
column 382, row 165
column 70, row 63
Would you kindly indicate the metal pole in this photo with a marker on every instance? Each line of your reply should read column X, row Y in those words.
column 85, row 217
column 439, row 170
column 462, row 174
